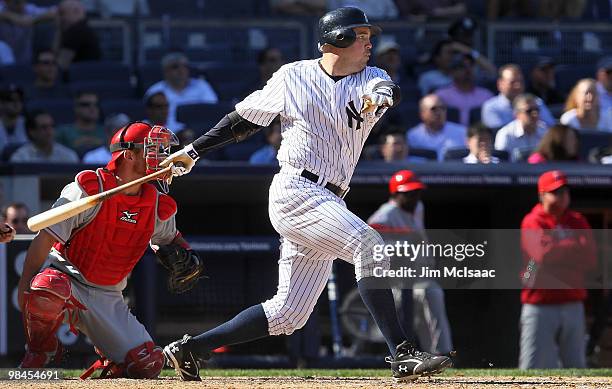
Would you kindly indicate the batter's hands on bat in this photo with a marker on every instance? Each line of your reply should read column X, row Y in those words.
column 182, row 160
column 7, row 233
column 380, row 97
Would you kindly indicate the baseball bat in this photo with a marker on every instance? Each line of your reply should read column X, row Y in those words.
column 65, row 211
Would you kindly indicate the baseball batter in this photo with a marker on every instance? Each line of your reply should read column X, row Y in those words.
column 327, row 108
column 90, row 256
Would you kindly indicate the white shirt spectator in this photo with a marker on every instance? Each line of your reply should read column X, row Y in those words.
column 375, row 9
column 98, row 156
column 512, row 136
column 196, row 92
column 18, row 136
column 30, row 154
column 605, row 120
column 451, row 135
column 471, row 158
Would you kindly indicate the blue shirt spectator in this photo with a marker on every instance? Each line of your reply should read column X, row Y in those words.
column 498, row 111
column 267, row 154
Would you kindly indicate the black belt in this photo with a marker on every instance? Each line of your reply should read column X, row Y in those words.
column 335, row 189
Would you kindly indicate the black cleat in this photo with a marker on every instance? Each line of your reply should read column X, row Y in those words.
column 410, row 363
column 183, row 361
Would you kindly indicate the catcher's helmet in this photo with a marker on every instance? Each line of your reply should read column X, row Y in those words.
column 336, row 27
column 404, row 181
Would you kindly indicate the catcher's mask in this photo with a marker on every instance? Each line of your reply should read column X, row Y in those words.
column 155, row 141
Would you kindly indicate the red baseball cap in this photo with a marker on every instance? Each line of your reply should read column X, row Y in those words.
column 128, row 137
column 404, row 181
column 551, row 181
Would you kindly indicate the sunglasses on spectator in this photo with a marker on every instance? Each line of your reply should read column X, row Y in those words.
column 531, row 110
column 46, row 62
column 437, row 108
column 158, row 106
column 86, row 104
column 17, row 220
column 177, row 65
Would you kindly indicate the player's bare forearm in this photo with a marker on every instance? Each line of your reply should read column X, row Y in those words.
column 36, row 256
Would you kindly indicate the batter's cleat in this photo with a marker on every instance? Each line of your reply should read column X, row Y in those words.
column 183, row 360
column 410, row 363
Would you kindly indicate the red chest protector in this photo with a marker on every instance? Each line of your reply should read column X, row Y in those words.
column 106, row 250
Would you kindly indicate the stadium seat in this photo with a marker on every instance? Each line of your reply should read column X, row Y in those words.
column 475, row 115
column 455, row 154
column 105, row 89
column 17, row 74
column 62, row 110
column 589, row 140
column 134, row 108
column 202, row 116
column 99, row 71
column 452, row 115
column 148, row 74
column 8, row 151
column 423, row 153
column 242, row 151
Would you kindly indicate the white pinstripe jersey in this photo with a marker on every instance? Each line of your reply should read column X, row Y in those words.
column 322, row 128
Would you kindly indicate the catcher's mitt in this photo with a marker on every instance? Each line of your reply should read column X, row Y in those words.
column 184, row 266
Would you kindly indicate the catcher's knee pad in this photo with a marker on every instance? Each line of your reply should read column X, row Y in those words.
column 144, row 361
column 44, row 309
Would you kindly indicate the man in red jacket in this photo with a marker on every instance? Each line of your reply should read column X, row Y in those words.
column 558, row 250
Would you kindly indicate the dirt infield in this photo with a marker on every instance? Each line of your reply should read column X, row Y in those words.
column 321, row 383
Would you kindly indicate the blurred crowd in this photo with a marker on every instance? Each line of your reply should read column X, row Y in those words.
column 457, row 104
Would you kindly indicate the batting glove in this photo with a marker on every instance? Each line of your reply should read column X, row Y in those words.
column 183, row 160
column 380, row 97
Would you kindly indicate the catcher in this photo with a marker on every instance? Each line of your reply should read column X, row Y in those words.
column 91, row 255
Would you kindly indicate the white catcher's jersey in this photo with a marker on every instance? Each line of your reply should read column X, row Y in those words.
column 322, row 128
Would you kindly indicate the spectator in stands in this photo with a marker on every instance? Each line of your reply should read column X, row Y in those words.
column 42, row 147
column 435, row 132
column 558, row 251
column 499, row 9
column 269, row 60
column 424, row 10
column 86, row 133
column 17, row 18
column 180, row 88
column 16, row 215
column 299, row 7
column 109, row 8
column 47, row 84
column 12, row 122
column 582, row 110
column 375, row 9
column 388, row 58
column 393, row 148
column 542, row 82
column 463, row 93
column 480, row 144
column 438, row 77
column 101, row 155
column 560, row 143
column 156, row 109
column 400, row 220
column 525, row 132
column 77, row 41
column 604, row 83
column 561, row 9
column 267, row 154
column 498, row 111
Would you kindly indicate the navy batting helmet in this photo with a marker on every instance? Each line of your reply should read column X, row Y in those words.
column 336, row 27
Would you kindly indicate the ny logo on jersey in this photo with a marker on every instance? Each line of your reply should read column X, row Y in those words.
column 353, row 113
column 128, row 217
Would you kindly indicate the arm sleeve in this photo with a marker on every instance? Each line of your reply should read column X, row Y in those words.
column 262, row 106
column 62, row 230
column 165, row 231
column 231, row 128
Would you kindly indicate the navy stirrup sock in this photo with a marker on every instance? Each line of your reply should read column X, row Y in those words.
column 248, row 325
column 382, row 308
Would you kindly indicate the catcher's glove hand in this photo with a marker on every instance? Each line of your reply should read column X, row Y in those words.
column 184, row 266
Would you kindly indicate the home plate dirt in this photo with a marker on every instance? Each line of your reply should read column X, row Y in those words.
column 320, row 383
